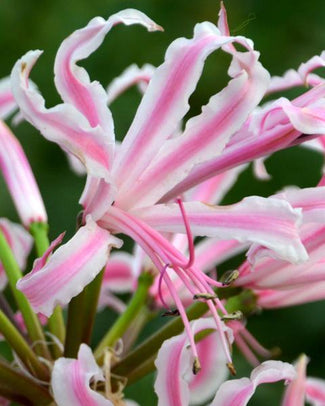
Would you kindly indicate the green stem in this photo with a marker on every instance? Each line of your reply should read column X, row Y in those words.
column 122, row 323
column 73, row 337
column 32, row 323
column 17, row 386
column 81, row 317
column 22, row 349
column 39, row 231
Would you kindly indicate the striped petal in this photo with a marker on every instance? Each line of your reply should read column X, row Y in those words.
column 270, row 222
column 295, row 391
column 315, row 391
column 175, row 384
column 72, row 81
column 165, row 102
column 239, row 391
column 205, row 135
column 62, row 124
column 7, row 101
column 20, row 179
column 69, row 269
column 71, row 379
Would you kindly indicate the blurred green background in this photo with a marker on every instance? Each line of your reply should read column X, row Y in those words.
column 286, row 33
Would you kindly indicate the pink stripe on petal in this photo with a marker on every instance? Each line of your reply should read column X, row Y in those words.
column 73, row 82
column 165, row 101
column 119, row 275
column 19, row 178
column 62, row 124
column 71, row 380
column 315, row 391
column 295, row 391
column 175, row 384
column 7, row 101
column 239, row 391
column 69, row 269
column 270, row 222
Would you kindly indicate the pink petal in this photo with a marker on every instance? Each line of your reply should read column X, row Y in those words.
column 165, row 102
column 119, row 276
column 205, row 135
column 214, row 190
column 175, row 384
column 269, row 273
column 315, row 391
column 69, row 269
column 62, row 124
column 269, row 222
column 73, row 82
column 71, row 379
column 7, row 101
column 20, row 243
column 20, row 179
column 274, row 299
column 239, row 391
column 295, row 391
column 131, row 76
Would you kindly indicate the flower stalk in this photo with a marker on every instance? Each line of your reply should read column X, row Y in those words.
column 13, row 273
column 122, row 323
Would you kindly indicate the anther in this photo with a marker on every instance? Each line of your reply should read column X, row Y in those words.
column 237, row 315
column 196, row 366
column 230, row 277
column 206, row 296
column 231, row 368
column 171, row 313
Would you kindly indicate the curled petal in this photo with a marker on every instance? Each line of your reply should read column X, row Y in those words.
column 175, row 384
column 269, row 222
column 62, row 124
column 71, row 380
column 239, row 391
column 310, row 200
column 20, row 179
column 73, row 82
column 131, row 76
column 69, row 269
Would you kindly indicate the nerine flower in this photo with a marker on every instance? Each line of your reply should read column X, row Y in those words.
column 126, row 186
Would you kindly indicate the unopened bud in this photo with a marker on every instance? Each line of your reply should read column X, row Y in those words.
column 230, row 277
column 196, row 366
column 237, row 315
column 232, row 368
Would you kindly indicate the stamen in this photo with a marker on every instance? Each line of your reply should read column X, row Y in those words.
column 237, row 315
column 230, row 277
column 162, row 273
column 196, row 366
column 171, row 313
column 205, row 296
column 189, row 235
column 231, row 368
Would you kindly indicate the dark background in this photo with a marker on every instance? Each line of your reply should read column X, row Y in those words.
column 286, row 33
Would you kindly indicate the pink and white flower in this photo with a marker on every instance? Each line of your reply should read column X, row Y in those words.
column 125, row 185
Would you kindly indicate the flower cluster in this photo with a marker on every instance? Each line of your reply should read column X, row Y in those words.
column 162, row 187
